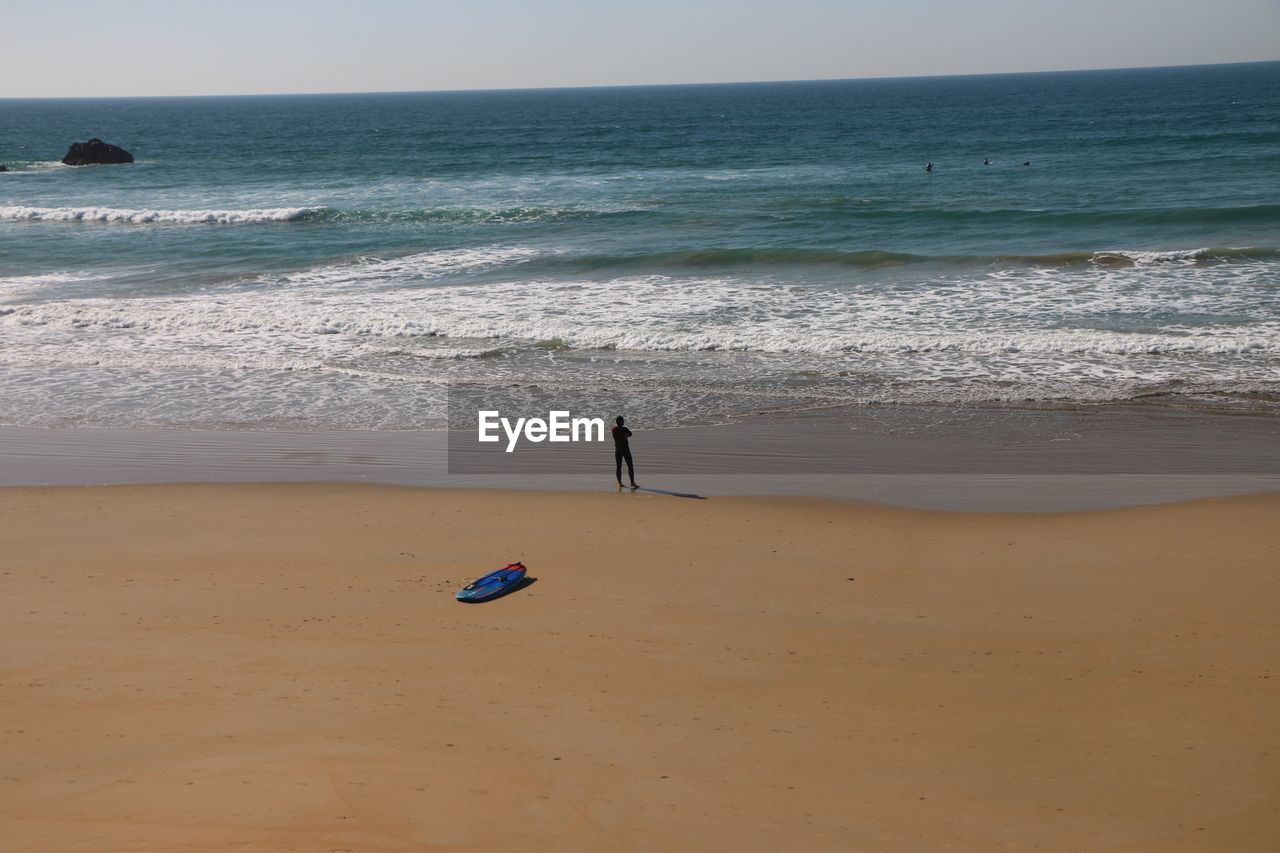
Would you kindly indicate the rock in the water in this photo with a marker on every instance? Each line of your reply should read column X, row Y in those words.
column 95, row 151
column 3, row 168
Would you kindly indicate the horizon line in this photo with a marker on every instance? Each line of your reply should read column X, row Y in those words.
column 594, row 86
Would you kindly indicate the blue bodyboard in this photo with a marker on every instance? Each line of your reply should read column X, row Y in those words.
column 494, row 584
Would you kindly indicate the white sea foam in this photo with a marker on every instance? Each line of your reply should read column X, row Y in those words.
column 47, row 278
column 1082, row 333
column 354, row 319
column 658, row 314
column 408, row 268
column 26, row 285
column 17, row 213
column 1174, row 256
column 35, row 168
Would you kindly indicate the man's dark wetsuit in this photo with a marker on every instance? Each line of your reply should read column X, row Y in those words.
column 622, row 450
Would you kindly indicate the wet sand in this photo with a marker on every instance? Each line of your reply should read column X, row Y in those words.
column 970, row 459
column 274, row 667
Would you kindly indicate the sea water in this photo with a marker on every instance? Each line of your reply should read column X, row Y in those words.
column 337, row 261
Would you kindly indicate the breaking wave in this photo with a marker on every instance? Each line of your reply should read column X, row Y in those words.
column 15, row 213
column 583, row 317
column 873, row 258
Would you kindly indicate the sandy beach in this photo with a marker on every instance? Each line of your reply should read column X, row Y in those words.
column 284, row 667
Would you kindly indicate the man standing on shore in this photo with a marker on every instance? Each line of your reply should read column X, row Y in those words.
column 622, row 450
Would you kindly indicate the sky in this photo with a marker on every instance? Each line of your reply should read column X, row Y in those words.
column 83, row 48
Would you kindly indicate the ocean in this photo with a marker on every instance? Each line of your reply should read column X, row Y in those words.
column 339, row 261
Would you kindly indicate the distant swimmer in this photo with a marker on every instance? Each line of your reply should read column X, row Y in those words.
column 986, row 162
column 1028, row 163
column 928, row 167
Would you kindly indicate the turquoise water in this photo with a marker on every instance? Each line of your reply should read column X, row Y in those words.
column 336, row 261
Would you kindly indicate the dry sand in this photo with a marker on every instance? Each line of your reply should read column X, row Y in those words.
column 190, row 668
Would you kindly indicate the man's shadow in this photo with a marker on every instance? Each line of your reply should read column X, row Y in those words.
column 689, row 495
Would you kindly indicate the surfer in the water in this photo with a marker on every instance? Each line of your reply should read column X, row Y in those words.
column 622, row 450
